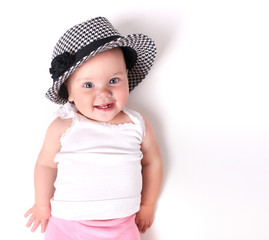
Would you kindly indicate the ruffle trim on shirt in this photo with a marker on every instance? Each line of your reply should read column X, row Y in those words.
column 67, row 110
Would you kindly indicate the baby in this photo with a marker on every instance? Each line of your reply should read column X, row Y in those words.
column 99, row 172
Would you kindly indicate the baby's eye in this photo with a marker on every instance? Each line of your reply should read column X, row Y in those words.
column 113, row 80
column 88, row 85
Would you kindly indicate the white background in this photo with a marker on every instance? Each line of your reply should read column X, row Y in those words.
column 206, row 96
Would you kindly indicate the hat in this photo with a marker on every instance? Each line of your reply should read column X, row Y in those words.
column 85, row 40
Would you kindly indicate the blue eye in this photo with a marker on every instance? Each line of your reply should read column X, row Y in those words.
column 113, row 80
column 88, row 85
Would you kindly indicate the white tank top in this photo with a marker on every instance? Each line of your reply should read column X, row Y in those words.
column 99, row 168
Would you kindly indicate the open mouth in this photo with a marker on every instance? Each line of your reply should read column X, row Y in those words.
column 104, row 106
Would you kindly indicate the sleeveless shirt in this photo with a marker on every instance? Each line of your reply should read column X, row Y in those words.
column 99, row 168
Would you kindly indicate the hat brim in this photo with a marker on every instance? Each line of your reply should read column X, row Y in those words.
column 141, row 44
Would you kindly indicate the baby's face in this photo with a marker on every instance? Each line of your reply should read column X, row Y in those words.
column 99, row 88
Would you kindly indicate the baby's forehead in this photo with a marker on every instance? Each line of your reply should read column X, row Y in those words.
column 110, row 63
column 112, row 57
column 117, row 52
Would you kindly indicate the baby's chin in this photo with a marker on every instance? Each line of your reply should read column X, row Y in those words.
column 102, row 113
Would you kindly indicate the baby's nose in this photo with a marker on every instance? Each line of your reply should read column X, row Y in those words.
column 104, row 93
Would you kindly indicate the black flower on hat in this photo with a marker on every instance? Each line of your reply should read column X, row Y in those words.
column 60, row 64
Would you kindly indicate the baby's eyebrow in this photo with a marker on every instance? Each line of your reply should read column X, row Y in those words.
column 110, row 75
column 84, row 79
column 119, row 73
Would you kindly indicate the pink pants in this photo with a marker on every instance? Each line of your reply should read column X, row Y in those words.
column 115, row 229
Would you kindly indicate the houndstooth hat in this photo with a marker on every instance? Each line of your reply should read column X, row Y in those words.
column 89, row 38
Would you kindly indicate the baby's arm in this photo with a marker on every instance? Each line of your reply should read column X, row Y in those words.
column 152, row 178
column 45, row 175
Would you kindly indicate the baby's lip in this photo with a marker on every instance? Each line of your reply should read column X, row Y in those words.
column 104, row 106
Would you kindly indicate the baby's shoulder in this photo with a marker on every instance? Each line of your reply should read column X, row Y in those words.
column 58, row 126
column 52, row 143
